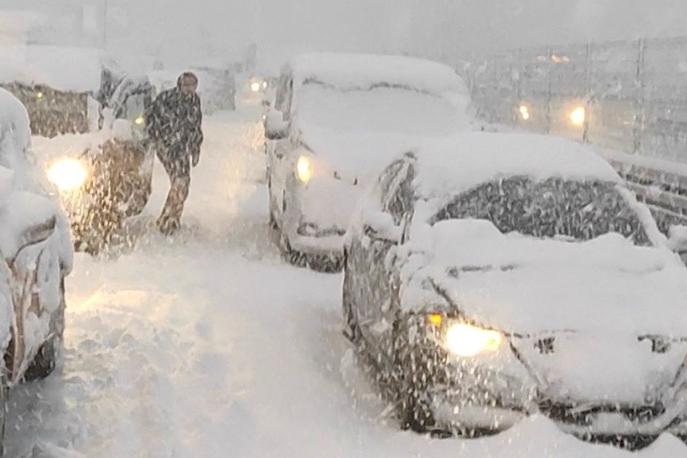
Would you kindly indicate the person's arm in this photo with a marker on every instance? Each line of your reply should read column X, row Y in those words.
column 197, row 132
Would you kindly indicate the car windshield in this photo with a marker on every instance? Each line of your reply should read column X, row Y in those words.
column 554, row 208
column 382, row 108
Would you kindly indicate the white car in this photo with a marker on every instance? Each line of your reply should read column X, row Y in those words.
column 36, row 256
column 337, row 120
column 497, row 275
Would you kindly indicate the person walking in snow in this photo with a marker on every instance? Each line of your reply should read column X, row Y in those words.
column 173, row 123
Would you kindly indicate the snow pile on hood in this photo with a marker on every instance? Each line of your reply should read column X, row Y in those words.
column 62, row 68
column 363, row 71
column 449, row 167
column 528, row 285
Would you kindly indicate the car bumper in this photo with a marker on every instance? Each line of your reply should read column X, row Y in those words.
column 496, row 393
column 330, row 246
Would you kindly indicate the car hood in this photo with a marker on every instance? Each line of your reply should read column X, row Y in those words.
column 361, row 155
column 532, row 286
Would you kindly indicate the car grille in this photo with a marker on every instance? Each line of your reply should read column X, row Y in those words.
column 583, row 415
column 311, row 230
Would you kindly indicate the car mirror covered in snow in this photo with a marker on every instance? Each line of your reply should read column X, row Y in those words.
column 677, row 238
column 381, row 226
column 275, row 126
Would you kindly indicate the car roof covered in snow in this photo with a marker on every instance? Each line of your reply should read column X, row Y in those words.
column 449, row 167
column 72, row 69
column 15, row 133
column 356, row 71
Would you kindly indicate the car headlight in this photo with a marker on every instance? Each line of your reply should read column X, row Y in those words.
column 68, row 174
column 577, row 116
column 524, row 111
column 304, row 169
column 463, row 339
column 255, row 86
column 139, row 121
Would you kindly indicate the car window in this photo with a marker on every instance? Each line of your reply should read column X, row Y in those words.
column 401, row 199
column 281, row 92
column 552, row 208
column 386, row 181
column 284, row 95
column 396, row 189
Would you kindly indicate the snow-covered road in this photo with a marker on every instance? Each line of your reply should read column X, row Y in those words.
column 208, row 345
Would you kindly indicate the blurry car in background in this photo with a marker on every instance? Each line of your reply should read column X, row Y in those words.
column 498, row 275
column 105, row 177
column 55, row 83
column 36, row 256
column 88, row 126
column 336, row 121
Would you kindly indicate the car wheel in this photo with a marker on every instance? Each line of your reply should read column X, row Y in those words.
column 412, row 379
column 45, row 361
column 270, row 203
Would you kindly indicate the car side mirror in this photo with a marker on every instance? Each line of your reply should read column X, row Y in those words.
column 677, row 238
column 381, row 226
column 275, row 126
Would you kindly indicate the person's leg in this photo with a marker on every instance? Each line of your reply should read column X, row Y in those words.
column 179, row 173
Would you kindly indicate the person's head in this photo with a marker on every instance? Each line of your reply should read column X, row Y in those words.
column 187, row 83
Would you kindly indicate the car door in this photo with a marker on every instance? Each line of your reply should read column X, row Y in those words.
column 376, row 282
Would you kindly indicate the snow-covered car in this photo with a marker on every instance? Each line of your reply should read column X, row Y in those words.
column 55, row 84
column 36, row 256
column 496, row 275
column 337, row 120
column 104, row 176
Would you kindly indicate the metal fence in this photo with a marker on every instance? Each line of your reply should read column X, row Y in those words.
column 624, row 96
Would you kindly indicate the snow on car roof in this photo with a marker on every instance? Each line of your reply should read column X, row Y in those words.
column 60, row 67
column 15, row 133
column 449, row 167
column 366, row 70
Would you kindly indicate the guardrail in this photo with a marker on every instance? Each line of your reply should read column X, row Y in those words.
column 629, row 97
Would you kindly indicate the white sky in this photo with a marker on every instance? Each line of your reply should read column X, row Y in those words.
column 437, row 28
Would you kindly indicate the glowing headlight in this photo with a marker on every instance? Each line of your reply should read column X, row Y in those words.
column 255, row 86
column 467, row 341
column 68, row 174
column 39, row 95
column 304, row 169
column 524, row 112
column 139, row 121
column 578, row 116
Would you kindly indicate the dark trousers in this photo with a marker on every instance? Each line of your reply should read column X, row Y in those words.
column 178, row 168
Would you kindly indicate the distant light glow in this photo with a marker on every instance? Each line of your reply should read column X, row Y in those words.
column 39, row 95
column 304, row 169
column 577, row 116
column 255, row 86
column 524, row 112
column 139, row 121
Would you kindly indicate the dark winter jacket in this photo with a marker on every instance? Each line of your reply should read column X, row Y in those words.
column 175, row 121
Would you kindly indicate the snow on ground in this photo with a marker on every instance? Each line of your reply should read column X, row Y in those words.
column 208, row 345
